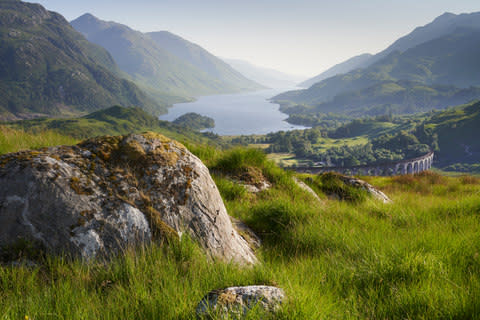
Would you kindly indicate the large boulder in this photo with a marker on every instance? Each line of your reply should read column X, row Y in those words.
column 236, row 302
column 105, row 194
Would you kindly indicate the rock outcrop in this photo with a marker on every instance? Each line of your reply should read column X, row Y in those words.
column 237, row 301
column 105, row 194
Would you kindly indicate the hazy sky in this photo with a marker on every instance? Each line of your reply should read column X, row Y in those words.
column 302, row 37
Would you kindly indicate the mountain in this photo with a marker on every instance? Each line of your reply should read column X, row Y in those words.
column 394, row 97
column 48, row 68
column 344, row 67
column 451, row 60
column 203, row 60
column 266, row 76
column 160, row 72
column 441, row 26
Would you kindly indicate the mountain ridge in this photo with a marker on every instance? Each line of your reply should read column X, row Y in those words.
column 154, row 68
column 441, row 25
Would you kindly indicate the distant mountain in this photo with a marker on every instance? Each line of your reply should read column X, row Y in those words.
column 450, row 60
column 344, row 67
column 441, row 26
column 203, row 60
column 266, row 76
column 165, row 75
column 48, row 68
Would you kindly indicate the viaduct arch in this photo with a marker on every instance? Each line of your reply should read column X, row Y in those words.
column 409, row 166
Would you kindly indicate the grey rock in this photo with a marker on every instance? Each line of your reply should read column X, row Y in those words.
column 357, row 183
column 264, row 185
column 237, row 301
column 106, row 194
column 305, row 187
column 246, row 233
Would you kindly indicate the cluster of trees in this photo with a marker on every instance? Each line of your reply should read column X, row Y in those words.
column 318, row 119
column 388, row 148
column 385, row 148
column 195, row 121
column 298, row 142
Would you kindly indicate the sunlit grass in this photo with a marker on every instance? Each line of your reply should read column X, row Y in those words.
column 418, row 258
column 12, row 140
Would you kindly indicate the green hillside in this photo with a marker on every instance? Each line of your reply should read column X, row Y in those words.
column 47, row 68
column 164, row 75
column 115, row 120
column 458, row 131
column 391, row 97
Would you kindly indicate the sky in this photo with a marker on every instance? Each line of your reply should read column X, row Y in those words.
column 299, row 37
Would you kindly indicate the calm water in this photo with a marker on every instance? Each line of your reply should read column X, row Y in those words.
column 236, row 114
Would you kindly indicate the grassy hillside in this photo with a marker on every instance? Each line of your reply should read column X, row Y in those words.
column 414, row 259
column 114, row 121
column 48, row 68
column 458, row 131
column 13, row 140
column 395, row 97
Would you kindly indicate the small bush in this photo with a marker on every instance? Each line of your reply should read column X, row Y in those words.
column 469, row 180
column 236, row 160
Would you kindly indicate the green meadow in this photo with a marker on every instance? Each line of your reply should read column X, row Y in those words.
column 357, row 258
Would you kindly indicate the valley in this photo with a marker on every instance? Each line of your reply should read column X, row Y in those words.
column 144, row 177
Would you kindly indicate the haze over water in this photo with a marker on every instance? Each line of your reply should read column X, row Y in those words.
column 237, row 114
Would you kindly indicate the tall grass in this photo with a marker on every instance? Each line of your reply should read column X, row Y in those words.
column 12, row 140
column 418, row 258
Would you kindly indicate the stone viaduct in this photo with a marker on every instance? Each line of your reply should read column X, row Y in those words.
column 410, row 166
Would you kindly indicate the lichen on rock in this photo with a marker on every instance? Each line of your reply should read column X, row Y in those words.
column 236, row 302
column 104, row 194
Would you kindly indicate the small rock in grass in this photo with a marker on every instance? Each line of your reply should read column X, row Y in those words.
column 238, row 301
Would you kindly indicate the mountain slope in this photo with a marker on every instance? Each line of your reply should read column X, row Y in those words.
column 451, row 60
column 341, row 68
column 203, row 60
column 441, row 26
column 396, row 97
column 266, row 76
column 154, row 68
column 47, row 68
